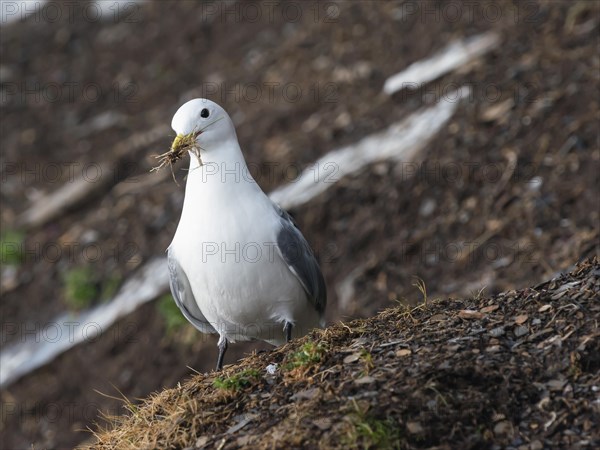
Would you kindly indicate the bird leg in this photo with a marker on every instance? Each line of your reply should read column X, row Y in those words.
column 222, row 349
column 287, row 329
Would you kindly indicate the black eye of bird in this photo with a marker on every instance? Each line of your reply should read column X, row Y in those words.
column 204, row 113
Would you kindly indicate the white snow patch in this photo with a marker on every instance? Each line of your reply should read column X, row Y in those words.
column 453, row 56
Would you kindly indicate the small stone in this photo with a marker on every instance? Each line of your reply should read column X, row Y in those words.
column 403, row 352
column 322, row 423
column 427, row 207
column 556, row 385
column 497, row 332
column 351, row 358
column 502, row 428
column 521, row 331
column 201, row 441
column 414, row 427
column 343, row 120
column 497, row 111
column 497, row 417
column 521, row 319
column 365, row 380
column 437, row 318
column 470, row 314
column 536, row 445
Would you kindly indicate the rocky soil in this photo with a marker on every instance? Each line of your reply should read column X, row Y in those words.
column 520, row 370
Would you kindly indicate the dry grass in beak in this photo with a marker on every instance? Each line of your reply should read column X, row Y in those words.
column 181, row 145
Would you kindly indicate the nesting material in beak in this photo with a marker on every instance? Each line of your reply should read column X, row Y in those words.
column 181, row 144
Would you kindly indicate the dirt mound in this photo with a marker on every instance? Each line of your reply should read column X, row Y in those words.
column 517, row 369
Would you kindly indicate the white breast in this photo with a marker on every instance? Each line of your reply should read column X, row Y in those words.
column 226, row 243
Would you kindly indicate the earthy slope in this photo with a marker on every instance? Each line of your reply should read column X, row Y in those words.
column 506, row 196
column 517, row 369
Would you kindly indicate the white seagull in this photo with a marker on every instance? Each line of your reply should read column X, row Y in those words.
column 238, row 264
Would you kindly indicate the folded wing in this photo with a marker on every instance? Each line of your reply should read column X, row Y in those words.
column 301, row 261
column 184, row 298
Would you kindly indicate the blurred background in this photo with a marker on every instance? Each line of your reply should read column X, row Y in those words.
column 472, row 135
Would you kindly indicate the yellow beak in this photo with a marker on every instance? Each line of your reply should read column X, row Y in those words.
column 177, row 142
column 183, row 142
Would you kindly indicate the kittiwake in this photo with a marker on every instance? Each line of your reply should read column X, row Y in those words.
column 238, row 264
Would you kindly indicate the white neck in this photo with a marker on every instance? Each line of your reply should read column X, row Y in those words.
column 223, row 176
column 221, row 193
column 222, row 169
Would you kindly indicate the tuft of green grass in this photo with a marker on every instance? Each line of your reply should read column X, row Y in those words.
column 110, row 287
column 371, row 432
column 378, row 433
column 82, row 287
column 79, row 287
column 173, row 317
column 309, row 353
column 11, row 247
column 237, row 381
column 367, row 360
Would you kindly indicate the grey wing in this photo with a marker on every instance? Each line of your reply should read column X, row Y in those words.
column 301, row 261
column 184, row 298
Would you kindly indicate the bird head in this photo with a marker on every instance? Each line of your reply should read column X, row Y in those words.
column 202, row 127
